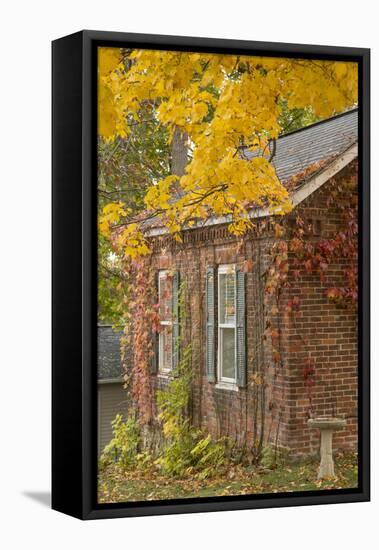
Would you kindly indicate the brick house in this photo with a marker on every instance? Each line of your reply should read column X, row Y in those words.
column 239, row 389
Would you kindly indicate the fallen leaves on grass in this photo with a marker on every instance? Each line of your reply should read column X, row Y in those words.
column 119, row 486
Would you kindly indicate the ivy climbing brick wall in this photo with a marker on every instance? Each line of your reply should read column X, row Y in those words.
column 301, row 346
column 329, row 334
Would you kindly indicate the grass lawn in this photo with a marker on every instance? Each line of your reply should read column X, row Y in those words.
column 117, row 486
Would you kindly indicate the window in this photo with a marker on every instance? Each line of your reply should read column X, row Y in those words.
column 227, row 324
column 225, row 330
column 165, row 315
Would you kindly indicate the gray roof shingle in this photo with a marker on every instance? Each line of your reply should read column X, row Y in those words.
column 298, row 150
column 108, row 353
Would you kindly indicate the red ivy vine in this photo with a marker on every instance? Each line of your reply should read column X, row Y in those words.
column 304, row 254
column 142, row 321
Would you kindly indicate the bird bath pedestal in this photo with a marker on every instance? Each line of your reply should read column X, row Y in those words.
column 326, row 427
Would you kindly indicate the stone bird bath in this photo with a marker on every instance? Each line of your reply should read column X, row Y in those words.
column 326, row 426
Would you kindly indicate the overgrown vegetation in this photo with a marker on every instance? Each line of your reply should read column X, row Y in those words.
column 123, row 449
column 185, row 450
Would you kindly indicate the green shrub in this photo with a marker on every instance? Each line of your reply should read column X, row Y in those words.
column 192, row 453
column 268, row 457
column 209, row 456
column 125, row 444
column 186, row 450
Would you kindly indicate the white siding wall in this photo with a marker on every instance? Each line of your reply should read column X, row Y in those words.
column 111, row 399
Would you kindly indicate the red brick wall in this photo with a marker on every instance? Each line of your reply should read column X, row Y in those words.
column 280, row 406
column 329, row 336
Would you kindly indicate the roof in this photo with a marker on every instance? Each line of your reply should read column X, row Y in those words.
column 300, row 149
column 108, row 353
column 326, row 146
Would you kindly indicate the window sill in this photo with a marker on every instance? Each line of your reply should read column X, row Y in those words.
column 226, row 386
column 164, row 375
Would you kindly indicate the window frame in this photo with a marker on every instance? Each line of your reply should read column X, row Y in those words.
column 223, row 380
column 162, row 274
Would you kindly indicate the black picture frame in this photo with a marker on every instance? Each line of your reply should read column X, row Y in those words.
column 74, row 272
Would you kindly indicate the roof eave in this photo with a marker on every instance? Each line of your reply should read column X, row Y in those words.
column 324, row 175
column 298, row 196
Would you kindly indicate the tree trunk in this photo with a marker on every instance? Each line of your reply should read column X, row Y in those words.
column 179, row 156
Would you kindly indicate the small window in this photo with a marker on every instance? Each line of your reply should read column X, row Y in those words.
column 227, row 324
column 165, row 316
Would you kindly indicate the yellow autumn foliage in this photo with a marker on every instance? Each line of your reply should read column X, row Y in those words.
column 111, row 215
column 221, row 102
column 132, row 242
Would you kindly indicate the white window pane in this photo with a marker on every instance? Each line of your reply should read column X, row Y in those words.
column 165, row 297
column 227, row 298
column 227, row 352
column 165, row 349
